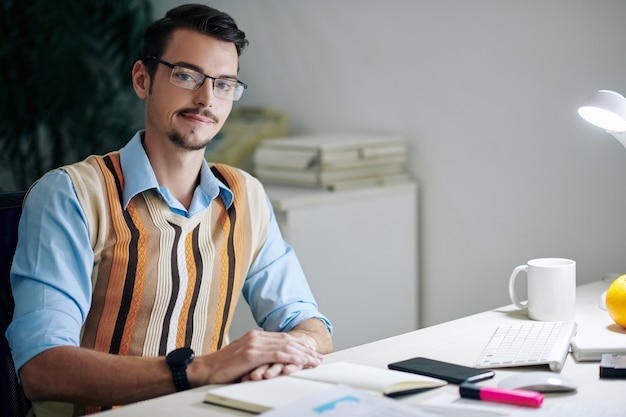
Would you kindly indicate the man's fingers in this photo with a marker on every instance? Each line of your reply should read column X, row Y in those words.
column 271, row 371
column 257, row 374
column 261, row 355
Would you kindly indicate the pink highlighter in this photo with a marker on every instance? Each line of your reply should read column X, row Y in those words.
column 500, row 395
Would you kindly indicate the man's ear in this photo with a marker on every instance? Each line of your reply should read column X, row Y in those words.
column 141, row 80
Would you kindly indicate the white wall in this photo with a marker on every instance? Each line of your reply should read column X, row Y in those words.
column 487, row 92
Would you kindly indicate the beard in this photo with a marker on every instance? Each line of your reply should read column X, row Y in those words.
column 186, row 142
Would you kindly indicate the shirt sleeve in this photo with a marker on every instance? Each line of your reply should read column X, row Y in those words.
column 51, row 270
column 276, row 288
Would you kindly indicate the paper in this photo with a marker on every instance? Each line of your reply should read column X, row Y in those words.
column 450, row 405
column 343, row 401
column 582, row 410
column 447, row 404
column 381, row 380
column 259, row 396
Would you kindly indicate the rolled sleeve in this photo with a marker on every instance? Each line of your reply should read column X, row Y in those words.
column 276, row 288
column 51, row 270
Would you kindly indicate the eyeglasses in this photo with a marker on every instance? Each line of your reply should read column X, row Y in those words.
column 190, row 79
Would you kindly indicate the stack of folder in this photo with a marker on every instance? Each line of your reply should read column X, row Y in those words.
column 332, row 160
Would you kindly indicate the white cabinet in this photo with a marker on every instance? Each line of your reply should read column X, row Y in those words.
column 358, row 249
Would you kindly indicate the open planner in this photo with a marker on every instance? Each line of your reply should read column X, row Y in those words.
column 267, row 394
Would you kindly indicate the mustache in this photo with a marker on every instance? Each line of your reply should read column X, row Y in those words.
column 205, row 113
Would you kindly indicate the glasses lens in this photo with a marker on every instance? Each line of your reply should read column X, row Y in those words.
column 224, row 88
column 227, row 89
column 238, row 92
column 186, row 78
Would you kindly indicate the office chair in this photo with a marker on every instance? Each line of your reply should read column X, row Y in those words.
column 13, row 402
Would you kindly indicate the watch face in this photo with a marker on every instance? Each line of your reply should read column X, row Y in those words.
column 180, row 356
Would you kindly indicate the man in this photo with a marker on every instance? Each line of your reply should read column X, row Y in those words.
column 140, row 254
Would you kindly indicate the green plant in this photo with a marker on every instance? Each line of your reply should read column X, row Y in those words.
column 65, row 81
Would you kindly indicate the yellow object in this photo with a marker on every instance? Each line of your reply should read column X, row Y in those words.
column 616, row 300
column 242, row 132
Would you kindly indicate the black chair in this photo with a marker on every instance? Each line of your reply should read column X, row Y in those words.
column 13, row 402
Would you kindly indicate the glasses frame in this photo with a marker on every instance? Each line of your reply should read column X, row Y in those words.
column 237, row 93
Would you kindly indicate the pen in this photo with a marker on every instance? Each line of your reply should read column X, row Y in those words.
column 501, row 395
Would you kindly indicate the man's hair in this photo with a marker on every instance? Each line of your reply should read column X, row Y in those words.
column 203, row 19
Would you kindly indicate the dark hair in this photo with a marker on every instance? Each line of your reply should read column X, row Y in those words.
column 203, row 19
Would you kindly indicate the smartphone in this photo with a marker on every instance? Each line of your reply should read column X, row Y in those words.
column 453, row 373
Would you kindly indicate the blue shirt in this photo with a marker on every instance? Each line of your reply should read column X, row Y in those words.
column 51, row 271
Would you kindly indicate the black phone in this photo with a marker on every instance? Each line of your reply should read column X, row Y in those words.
column 447, row 371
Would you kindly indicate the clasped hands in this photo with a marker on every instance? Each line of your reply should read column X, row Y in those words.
column 256, row 355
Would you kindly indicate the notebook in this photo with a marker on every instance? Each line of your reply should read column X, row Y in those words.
column 591, row 348
column 267, row 394
column 596, row 335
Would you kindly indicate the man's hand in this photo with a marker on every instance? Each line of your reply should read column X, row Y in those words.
column 68, row 373
column 256, row 355
column 271, row 371
column 312, row 333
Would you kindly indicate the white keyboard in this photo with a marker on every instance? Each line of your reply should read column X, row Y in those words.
column 535, row 343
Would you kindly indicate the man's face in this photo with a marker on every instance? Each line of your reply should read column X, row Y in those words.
column 190, row 118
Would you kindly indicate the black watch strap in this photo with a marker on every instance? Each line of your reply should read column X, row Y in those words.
column 180, row 378
column 177, row 360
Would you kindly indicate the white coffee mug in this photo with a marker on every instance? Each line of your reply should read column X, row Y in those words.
column 551, row 289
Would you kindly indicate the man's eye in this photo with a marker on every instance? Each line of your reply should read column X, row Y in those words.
column 224, row 85
column 185, row 76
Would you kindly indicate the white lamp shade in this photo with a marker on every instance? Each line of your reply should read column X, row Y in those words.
column 605, row 109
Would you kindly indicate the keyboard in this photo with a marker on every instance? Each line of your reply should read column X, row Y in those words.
column 535, row 343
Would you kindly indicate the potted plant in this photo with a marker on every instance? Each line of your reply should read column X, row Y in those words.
column 65, row 84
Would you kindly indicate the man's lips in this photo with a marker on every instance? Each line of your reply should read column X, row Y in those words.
column 195, row 116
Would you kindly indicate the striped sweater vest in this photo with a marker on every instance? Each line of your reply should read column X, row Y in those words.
column 161, row 280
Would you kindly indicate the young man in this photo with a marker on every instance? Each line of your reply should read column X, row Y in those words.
column 129, row 263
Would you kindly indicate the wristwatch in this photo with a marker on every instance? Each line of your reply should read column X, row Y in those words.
column 177, row 360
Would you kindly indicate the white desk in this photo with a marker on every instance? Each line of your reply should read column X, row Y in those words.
column 459, row 341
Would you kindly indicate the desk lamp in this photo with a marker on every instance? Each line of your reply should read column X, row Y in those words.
column 606, row 109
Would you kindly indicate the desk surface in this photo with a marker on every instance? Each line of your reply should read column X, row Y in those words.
column 459, row 341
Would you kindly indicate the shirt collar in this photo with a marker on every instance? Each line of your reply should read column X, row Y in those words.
column 139, row 177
